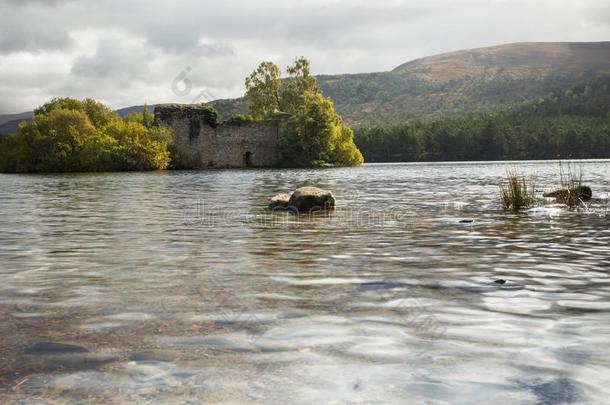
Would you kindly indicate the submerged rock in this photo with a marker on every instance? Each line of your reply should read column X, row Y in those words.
column 307, row 199
column 562, row 195
column 303, row 200
column 42, row 348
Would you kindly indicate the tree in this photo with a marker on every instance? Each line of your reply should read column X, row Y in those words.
column 68, row 135
column 299, row 82
column 61, row 141
column 262, row 90
column 310, row 131
column 315, row 133
column 137, row 147
column 147, row 118
column 98, row 113
column 344, row 150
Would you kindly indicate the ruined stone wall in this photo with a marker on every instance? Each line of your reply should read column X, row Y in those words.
column 199, row 145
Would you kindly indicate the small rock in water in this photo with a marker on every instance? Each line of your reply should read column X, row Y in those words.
column 562, row 195
column 501, row 282
column 279, row 201
column 42, row 348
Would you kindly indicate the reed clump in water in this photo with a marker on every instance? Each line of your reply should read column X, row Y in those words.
column 572, row 192
column 517, row 192
column 575, row 193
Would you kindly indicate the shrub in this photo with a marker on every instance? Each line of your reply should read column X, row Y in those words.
column 241, row 119
column 211, row 116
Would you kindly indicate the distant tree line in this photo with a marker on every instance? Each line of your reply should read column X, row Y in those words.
column 572, row 124
column 487, row 138
column 68, row 135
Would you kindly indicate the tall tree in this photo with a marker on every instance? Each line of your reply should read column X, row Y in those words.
column 315, row 133
column 299, row 82
column 262, row 90
column 147, row 118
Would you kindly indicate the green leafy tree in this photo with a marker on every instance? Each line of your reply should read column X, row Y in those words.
column 68, row 135
column 147, row 117
column 98, row 113
column 344, row 150
column 61, row 141
column 310, row 131
column 299, row 82
column 262, row 90
column 315, row 133
column 137, row 147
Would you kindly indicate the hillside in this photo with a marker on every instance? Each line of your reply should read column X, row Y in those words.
column 574, row 123
column 585, row 100
column 514, row 61
column 453, row 84
column 466, row 82
column 459, row 83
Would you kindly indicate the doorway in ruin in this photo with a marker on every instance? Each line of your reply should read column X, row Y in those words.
column 248, row 158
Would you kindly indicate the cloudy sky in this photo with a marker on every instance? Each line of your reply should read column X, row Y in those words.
column 127, row 52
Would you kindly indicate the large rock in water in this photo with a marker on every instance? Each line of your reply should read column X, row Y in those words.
column 307, row 199
column 303, row 200
column 562, row 195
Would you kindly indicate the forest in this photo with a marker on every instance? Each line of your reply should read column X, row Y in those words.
column 571, row 124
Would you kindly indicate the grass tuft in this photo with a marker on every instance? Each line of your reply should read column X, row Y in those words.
column 517, row 193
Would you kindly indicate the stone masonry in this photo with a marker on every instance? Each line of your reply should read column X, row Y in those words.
column 228, row 145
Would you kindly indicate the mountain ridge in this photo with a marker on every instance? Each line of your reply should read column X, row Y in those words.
column 450, row 84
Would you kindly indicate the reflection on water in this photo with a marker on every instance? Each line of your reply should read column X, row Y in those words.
column 177, row 287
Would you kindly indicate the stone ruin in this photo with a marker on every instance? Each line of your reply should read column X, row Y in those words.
column 200, row 145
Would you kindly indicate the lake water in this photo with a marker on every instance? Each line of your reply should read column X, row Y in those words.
column 183, row 289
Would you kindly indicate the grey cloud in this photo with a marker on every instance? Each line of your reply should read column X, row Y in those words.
column 114, row 59
column 33, row 38
column 143, row 44
column 181, row 41
column 600, row 13
column 25, row 3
